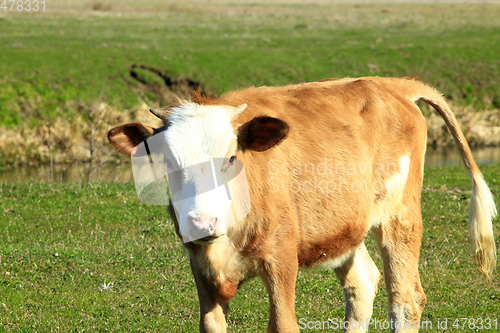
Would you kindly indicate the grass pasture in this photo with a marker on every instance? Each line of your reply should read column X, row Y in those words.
column 57, row 65
column 91, row 258
column 85, row 54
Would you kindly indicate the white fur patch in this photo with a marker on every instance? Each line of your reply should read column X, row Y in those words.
column 392, row 203
column 335, row 262
column 396, row 183
column 202, row 182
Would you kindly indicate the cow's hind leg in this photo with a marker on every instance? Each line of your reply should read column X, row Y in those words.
column 359, row 277
column 399, row 245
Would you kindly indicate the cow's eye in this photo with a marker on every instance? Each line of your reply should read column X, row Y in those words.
column 229, row 163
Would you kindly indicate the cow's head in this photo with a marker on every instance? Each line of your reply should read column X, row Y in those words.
column 201, row 144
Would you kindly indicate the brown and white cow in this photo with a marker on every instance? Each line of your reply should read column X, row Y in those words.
column 325, row 162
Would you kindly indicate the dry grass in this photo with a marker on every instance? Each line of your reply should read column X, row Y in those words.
column 481, row 128
column 101, row 5
column 70, row 138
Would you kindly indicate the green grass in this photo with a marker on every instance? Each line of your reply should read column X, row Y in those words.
column 64, row 55
column 57, row 65
column 60, row 242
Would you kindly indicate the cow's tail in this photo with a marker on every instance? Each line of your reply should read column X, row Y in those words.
column 482, row 205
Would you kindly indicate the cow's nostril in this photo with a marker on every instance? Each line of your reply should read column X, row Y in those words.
column 207, row 223
column 204, row 229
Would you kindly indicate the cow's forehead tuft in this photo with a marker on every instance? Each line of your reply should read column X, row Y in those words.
column 198, row 133
column 190, row 110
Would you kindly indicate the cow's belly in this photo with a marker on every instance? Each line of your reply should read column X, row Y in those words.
column 332, row 247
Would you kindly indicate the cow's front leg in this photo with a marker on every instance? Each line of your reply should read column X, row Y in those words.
column 213, row 310
column 280, row 275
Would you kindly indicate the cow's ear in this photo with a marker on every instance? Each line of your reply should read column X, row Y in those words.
column 261, row 133
column 126, row 138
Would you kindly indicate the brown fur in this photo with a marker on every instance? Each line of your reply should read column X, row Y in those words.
column 227, row 291
column 126, row 137
column 363, row 131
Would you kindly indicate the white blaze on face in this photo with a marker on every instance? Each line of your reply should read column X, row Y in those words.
column 207, row 185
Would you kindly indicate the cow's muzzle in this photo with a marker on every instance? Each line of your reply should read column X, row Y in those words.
column 204, row 230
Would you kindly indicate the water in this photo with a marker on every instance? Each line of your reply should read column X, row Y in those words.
column 78, row 172
column 451, row 156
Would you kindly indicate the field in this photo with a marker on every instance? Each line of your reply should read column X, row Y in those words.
column 70, row 69
column 89, row 257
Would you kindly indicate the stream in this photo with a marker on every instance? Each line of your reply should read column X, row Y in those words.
column 78, row 172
